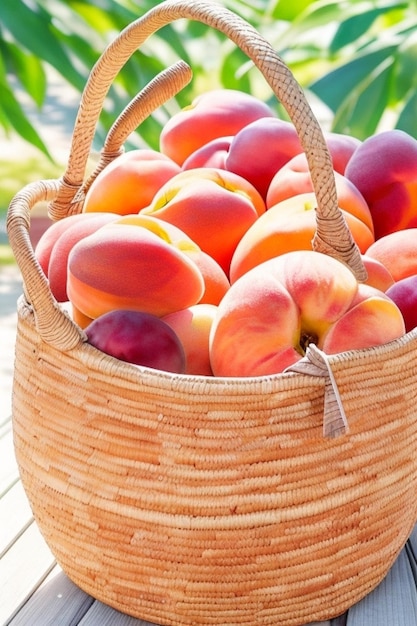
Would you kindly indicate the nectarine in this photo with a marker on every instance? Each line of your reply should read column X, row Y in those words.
column 384, row 169
column 138, row 338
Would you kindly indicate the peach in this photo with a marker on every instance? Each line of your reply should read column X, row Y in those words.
column 192, row 326
column 122, row 266
column 268, row 316
column 216, row 283
column 378, row 275
column 129, row 182
column 384, row 169
column 373, row 319
column 212, row 206
column 260, row 149
column 341, row 148
column 138, row 338
column 271, row 314
column 287, row 226
column 404, row 294
column 294, row 178
column 213, row 114
column 58, row 262
column 48, row 239
column 397, row 251
column 212, row 154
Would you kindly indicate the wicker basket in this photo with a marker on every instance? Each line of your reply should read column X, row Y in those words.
column 190, row 500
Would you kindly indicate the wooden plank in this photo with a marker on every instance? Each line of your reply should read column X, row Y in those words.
column 27, row 562
column 15, row 516
column 393, row 602
column 106, row 616
column 9, row 472
column 56, row 601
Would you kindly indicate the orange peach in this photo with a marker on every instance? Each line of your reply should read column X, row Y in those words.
column 122, row 266
column 192, row 326
column 216, row 113
column 129, row 182
column 212, row 206
column 287, row 226
column 377, row 274
column 294, row 178
column 384, row 169
column 260, row 149
column 397, row 251
column 216, row 283
column 270, row 315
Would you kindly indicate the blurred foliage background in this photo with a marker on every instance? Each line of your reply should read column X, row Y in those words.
column 356, row 57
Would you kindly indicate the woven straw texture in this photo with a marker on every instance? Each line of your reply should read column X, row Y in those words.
column 191, row 500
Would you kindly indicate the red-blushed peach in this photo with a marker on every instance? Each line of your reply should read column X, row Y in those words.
column 271, row 314
column 341, row 148
column 294, row 178
column 373, row 319
column 256, row 328
column 47, row 241
column 216, row 283
column 397, row 252
column 212, row 154
column 122, row 266
column 260, row 149
column 138, row 338
column 129, row 182
column 192, row 326
column 289, row 225
column 213, row 114
column 404, row 294
column 377, row 274
column 58, row 261
column 384, row 169
column 212, row 206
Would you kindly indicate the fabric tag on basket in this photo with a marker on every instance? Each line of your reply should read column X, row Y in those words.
column 316, row 363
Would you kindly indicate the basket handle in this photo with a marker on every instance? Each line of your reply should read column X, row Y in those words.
column 332, row 235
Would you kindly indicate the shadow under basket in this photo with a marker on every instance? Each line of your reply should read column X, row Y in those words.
column 201, row 500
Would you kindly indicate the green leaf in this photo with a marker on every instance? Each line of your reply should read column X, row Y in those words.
column 33, row 30
column 337, row 86
column 12, row 111
column 288, row 10
column 361, row 113
column 352, row 28
column 407, row 119
column 28, row 70
column 231, row 76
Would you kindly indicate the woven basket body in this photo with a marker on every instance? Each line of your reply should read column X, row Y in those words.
column 191, row 500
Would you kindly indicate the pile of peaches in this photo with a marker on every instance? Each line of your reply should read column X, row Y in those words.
column 197, row 258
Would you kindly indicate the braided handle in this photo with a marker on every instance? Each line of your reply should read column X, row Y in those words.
column 332, row 237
